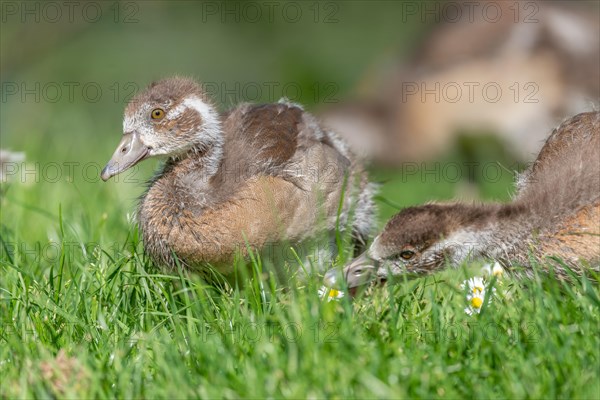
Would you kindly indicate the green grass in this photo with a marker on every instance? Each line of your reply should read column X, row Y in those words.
column 85, row 314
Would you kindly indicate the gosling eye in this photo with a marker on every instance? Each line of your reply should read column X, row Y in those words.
column 407, row 254
column 157, row 113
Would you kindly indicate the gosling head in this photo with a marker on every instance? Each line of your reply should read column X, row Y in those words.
column 418, row 240
column 168, row 118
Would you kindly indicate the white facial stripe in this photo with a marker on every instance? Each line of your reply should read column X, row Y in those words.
column 174, row 113
column 210, row 118
column 195, row 103
column 463, row 243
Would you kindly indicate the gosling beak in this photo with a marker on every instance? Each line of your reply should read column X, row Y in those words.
column 130, row 151
column 358, row 272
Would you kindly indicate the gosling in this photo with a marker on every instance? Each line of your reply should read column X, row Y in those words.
column 254, row 176
column 555, row 213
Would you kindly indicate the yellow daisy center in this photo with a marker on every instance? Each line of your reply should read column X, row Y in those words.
column 334, row 293
column 476, row 302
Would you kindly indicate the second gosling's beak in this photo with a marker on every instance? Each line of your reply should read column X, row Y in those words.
column 358, row 272
column 130, row 151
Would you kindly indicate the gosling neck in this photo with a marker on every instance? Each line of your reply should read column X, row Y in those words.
column 206, row 150
column 204, row 159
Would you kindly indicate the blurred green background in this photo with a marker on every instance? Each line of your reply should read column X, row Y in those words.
column 67, row 74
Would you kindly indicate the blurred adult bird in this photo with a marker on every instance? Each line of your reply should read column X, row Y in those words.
column 513, row 74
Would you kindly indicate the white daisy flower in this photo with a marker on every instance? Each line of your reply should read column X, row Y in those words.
column 495, row 270
column 476, row 291
column 330, row 294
